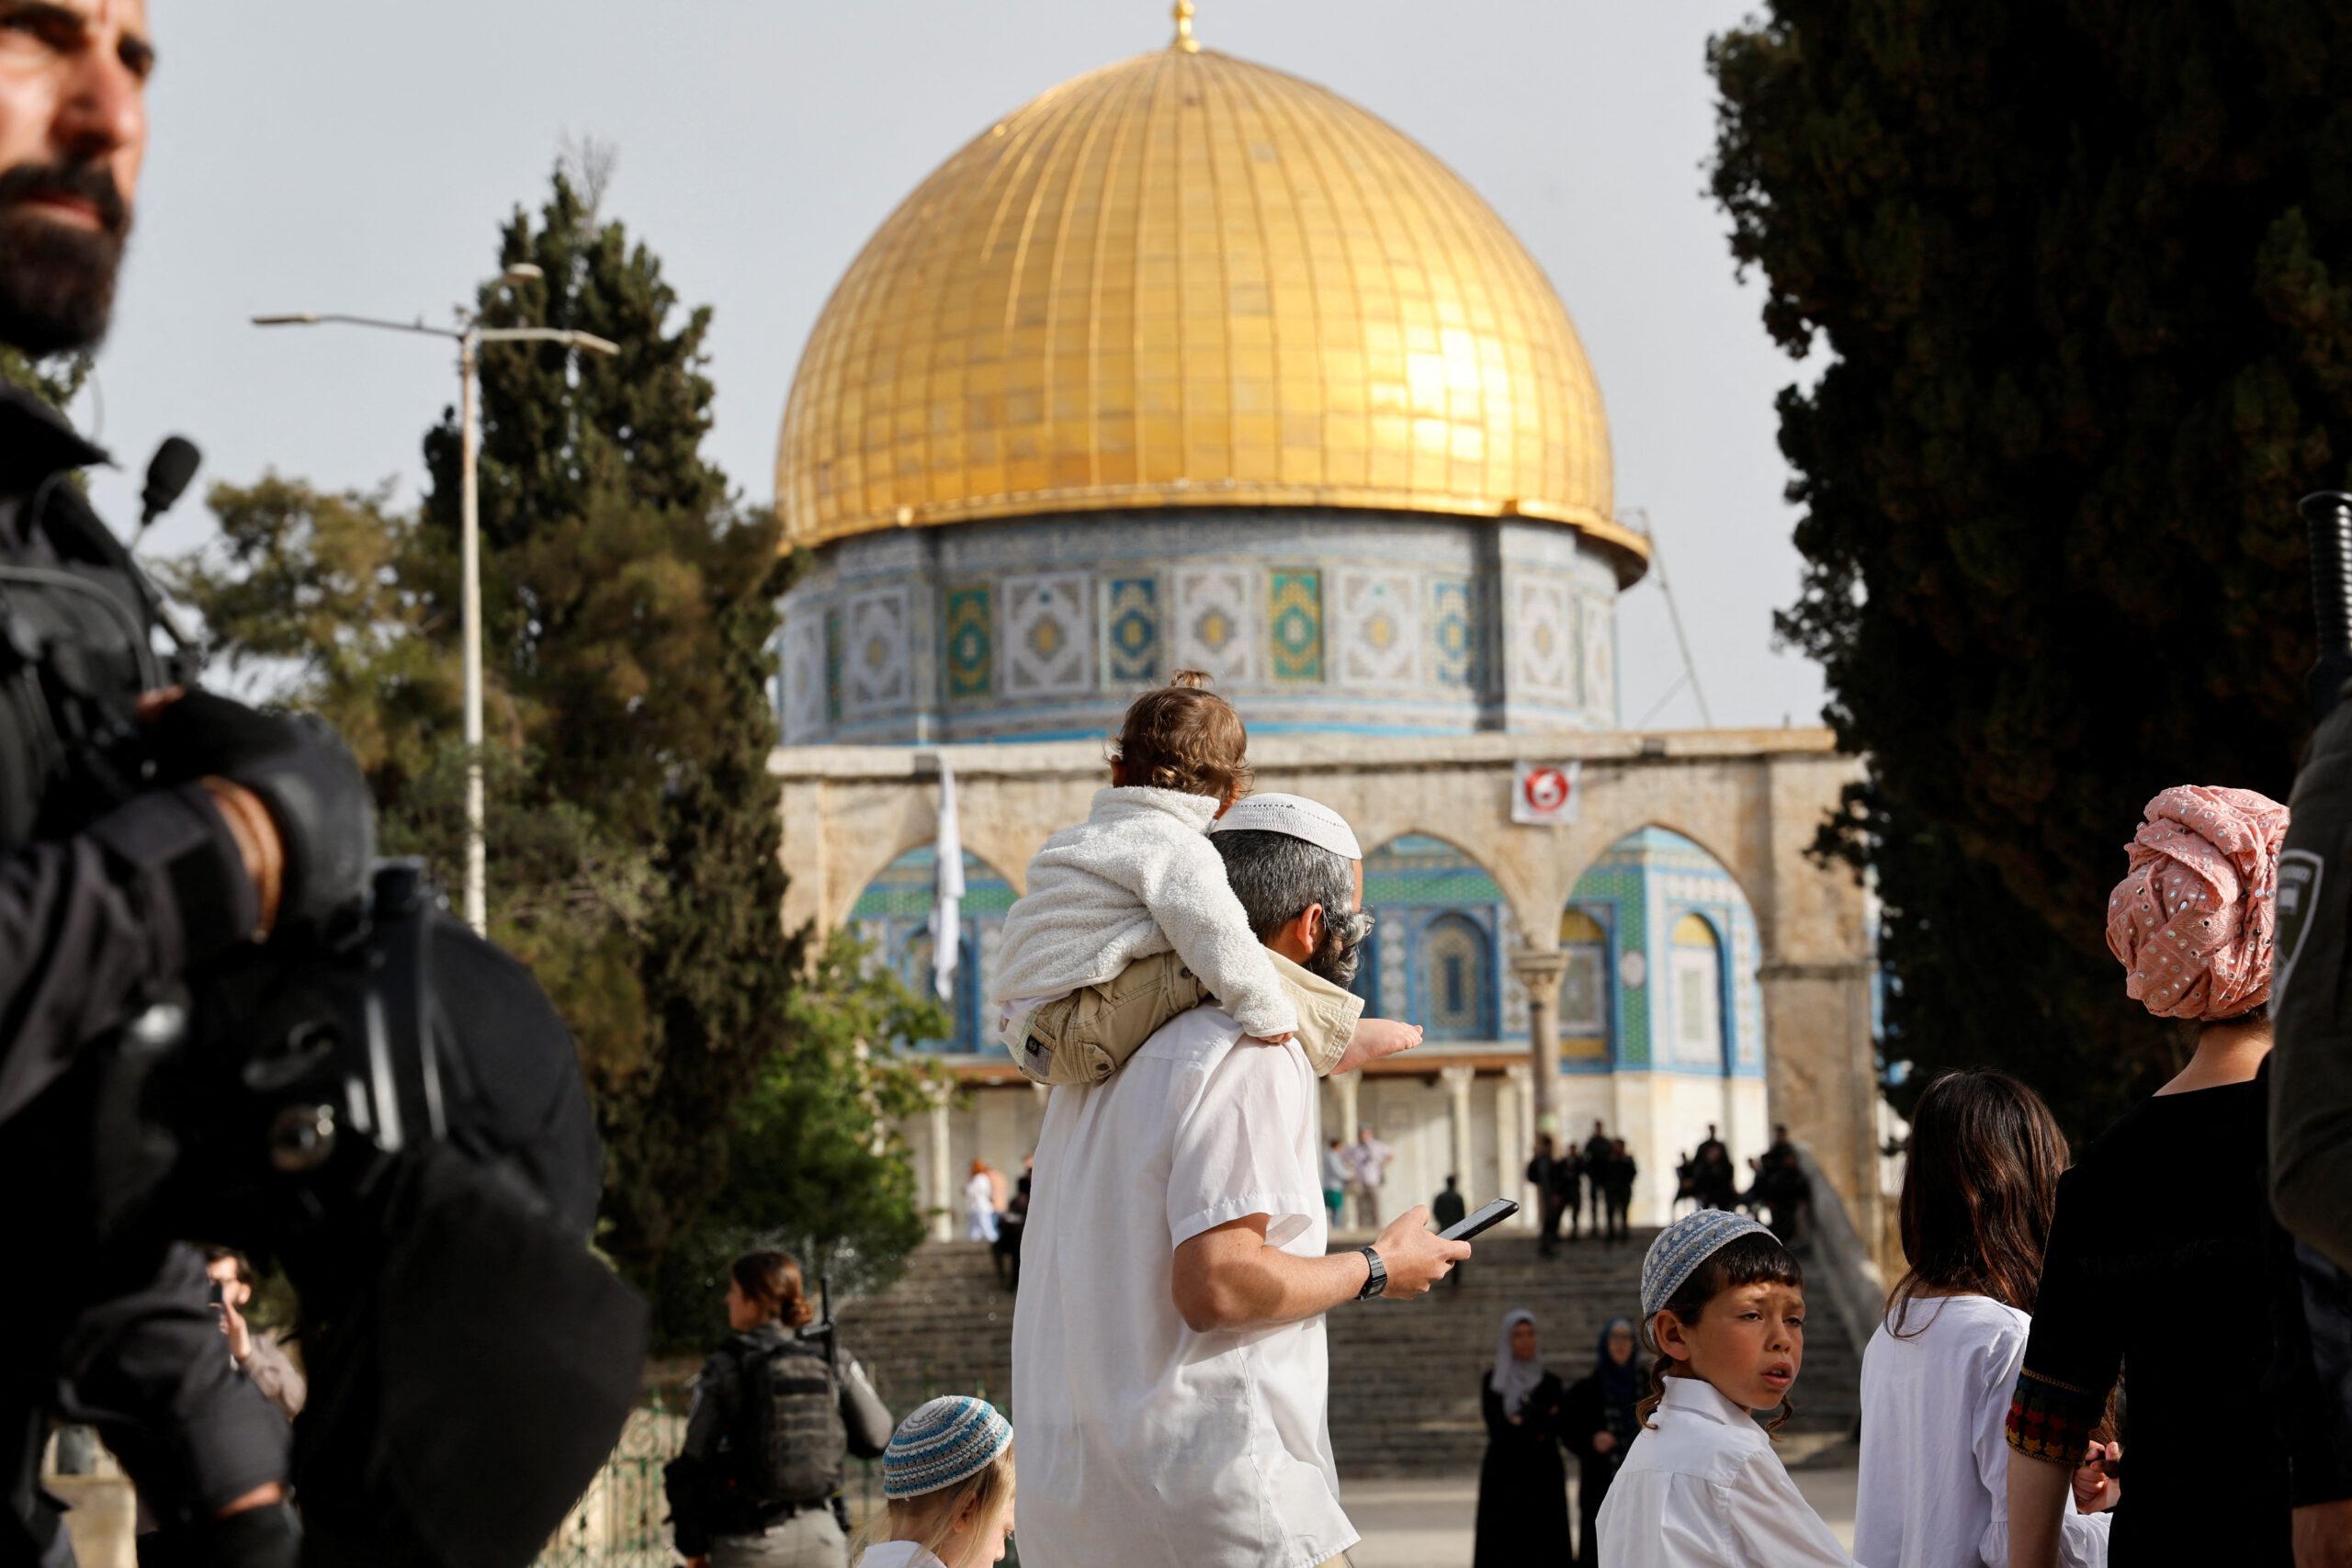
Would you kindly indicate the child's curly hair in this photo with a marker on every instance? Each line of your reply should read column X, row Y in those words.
column 1186, row 738
column 1751, row 1260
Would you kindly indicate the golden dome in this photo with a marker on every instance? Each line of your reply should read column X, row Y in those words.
column 1186, row 279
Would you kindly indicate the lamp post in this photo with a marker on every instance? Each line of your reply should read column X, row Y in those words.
column 469, row 339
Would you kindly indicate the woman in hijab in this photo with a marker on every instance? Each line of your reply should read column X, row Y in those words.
column 2164, row 1224
column 1522, row 1489
column 1596, row 1422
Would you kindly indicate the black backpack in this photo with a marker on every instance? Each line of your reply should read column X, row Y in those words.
column 789, row 1443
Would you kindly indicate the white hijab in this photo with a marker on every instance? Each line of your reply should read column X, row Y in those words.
column 1513, row 1378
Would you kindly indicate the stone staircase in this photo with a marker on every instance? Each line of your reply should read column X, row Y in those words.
column 1405, row 1375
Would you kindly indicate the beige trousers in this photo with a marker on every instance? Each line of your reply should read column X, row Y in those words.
column 1086, row 1036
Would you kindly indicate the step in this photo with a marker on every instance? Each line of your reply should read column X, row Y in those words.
column 1405, row 1375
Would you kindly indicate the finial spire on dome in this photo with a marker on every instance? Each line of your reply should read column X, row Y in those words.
column 1184, row 39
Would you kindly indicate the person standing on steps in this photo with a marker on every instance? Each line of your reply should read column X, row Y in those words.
column 1448, row 1209
column 1619, row 1188
column 1337, row 1174
column 1598, row 1423
column 757, row 1483
column 1369, row 1158
column 1522, row 1487
column 1596, row 1174
column 1543, row 1175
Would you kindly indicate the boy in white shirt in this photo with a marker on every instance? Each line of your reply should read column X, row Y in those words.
column 1127, row 921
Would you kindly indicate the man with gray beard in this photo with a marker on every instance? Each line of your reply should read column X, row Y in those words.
column 1169, row 1365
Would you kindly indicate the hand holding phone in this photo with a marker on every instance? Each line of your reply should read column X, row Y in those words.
column 1485, row 1219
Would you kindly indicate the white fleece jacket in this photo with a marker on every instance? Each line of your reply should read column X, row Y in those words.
column 1138, row 877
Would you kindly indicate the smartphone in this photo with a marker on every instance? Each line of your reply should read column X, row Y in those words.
column 213, row 1295
column 1493, row 1214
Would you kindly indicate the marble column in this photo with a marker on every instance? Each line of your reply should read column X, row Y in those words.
column 1457, row 1091
column 1512, row 1143
column 1346, row 1087
column 942, row 1194
column 1538, row 970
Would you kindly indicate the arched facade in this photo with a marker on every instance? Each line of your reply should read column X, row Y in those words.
column 1558, row 943
column 892, row 916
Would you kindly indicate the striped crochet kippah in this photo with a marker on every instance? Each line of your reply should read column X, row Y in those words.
column 1681, row 1247
column 945, row 1442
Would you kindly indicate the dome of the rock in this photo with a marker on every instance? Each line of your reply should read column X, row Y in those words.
column 1189, row 280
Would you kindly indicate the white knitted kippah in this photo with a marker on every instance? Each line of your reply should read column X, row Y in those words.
column 1295, row 817
column 947, row 1441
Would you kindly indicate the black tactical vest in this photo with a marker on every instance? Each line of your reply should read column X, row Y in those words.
column 791, row 1444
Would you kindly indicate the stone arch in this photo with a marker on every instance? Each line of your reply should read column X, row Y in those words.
column 892, row 912
column 1396, row 976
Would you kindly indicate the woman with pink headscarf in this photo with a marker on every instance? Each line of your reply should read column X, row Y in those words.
column 2156, row 1266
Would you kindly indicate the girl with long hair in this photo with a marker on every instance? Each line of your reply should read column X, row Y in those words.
column 1979, row 1185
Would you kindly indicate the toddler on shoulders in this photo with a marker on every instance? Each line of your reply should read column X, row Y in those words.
column 1127, row 921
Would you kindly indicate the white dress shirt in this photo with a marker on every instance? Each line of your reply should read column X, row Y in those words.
column 1702, row 1488
column 1934, row 1488
column 1143, row 1443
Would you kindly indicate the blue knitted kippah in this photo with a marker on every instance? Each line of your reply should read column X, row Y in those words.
column 947, row 1441
column 1681, row 1247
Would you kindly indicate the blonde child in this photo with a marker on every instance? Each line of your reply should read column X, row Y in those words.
column 948, row 1479
column 1723, row 1305
column 1127, row 920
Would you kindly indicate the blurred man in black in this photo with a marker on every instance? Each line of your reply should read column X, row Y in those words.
column 1543, row 1175
column 251, row 824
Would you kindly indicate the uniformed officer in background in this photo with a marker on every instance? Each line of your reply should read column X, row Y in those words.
column 252, row 824
column 2310, row 1066
column 757, row 1483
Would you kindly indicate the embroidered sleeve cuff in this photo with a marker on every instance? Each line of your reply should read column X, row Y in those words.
column 2051, row 1420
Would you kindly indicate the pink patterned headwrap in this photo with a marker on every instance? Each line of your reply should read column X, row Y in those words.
column 2193, row 919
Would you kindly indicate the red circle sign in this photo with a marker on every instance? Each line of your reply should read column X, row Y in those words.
column 1547, row 789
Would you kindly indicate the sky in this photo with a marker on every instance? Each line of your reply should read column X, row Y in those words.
column 307, row 157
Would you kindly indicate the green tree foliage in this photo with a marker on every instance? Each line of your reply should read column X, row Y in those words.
column 817, row 1164
column 628, row 606
column 2078, row 271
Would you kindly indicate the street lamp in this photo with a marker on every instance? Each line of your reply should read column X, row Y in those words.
column 469, row 339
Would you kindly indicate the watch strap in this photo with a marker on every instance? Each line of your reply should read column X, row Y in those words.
column 1377, row 1281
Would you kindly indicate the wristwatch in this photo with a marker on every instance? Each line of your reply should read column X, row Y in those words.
column 1379, row 1280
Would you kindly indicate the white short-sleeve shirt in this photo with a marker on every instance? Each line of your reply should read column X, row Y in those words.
column 1934, row 1490
column 1141, row 1441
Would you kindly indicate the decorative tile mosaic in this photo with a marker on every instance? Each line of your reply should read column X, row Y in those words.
column 833, row 665
column 804, row 676
column 1452, row 634
column 1294, row 625
column 1538, row 652
column 1131, row 640
column 1600, row 658
column 1216, row 612
column 1377, row 628
column 877, row 678
column 969, row 642
column 1048, row 640
column 1514, row 1021
column 1394, row 970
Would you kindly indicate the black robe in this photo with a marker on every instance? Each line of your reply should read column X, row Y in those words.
column 1585, row 1412
column 1522, row 1486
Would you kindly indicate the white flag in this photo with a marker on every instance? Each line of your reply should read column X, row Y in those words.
column 947, row 895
